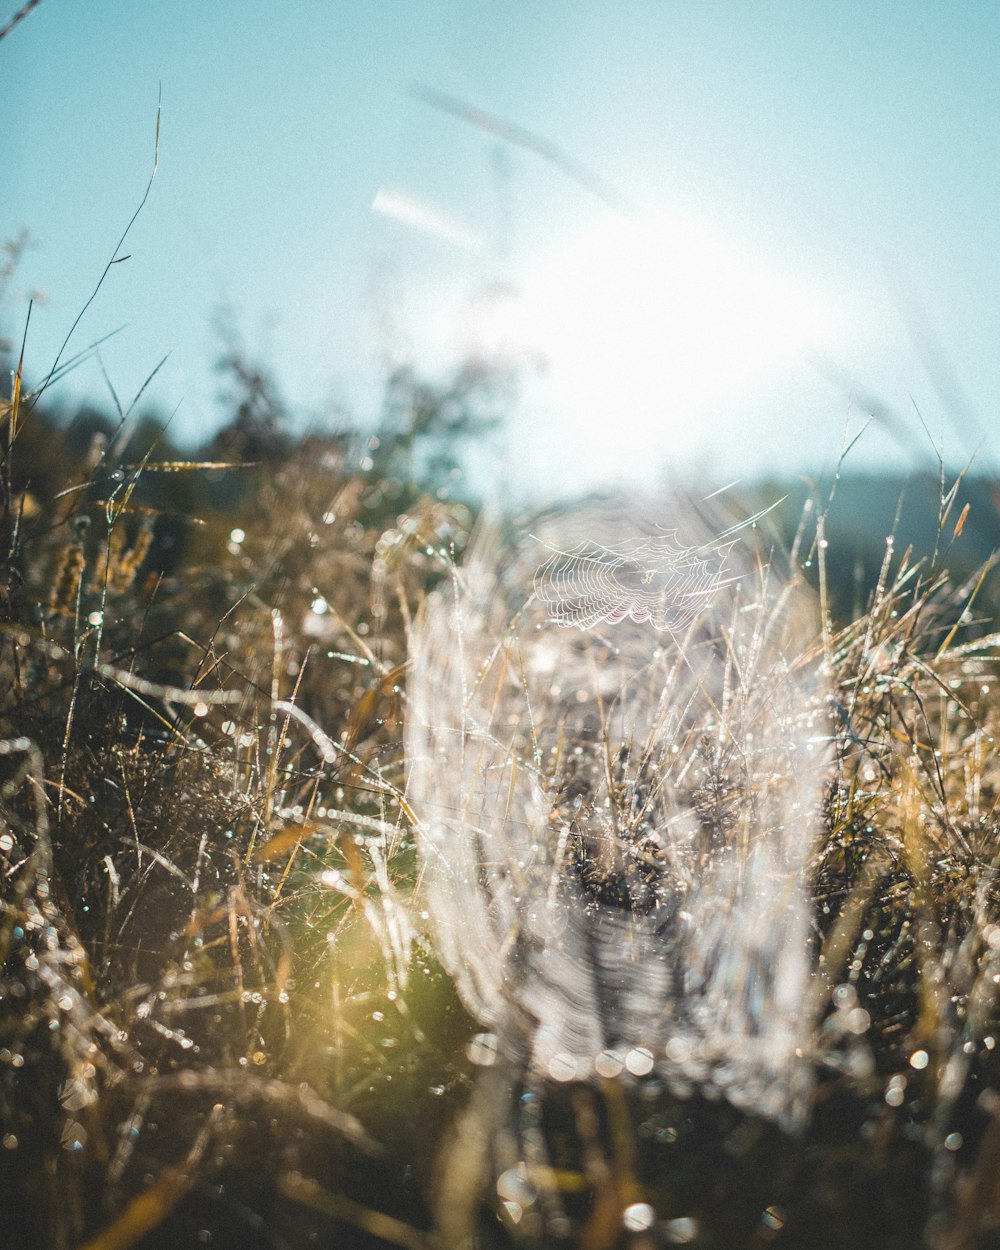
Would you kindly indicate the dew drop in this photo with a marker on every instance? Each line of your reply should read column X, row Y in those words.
column 681, row 1232
column 608, row 1064
column 639, row 1217
column 482, row 1050
column 773, row 1218
column 639, row 1061
column 562, row 1068
column 514, row 1186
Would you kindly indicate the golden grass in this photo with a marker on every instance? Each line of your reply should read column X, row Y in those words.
column 220, row 1006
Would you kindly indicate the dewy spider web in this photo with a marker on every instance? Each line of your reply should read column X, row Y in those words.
column 616, row 823
column 652, row 579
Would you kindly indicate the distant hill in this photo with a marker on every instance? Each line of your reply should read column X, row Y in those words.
column 866, row 508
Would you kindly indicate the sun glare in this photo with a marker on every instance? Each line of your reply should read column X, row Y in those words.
column 643, row 328
column 661, row 317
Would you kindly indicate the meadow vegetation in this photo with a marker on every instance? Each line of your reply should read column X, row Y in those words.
column 222, row 1021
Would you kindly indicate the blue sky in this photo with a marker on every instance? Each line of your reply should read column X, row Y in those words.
column 813, row 219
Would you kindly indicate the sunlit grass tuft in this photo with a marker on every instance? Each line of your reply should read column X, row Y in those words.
column 221, row 1008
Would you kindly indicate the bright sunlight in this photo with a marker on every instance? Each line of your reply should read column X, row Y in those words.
column 648, row 323
column 661, row 317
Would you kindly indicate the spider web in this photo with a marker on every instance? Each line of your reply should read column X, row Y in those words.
column 655, row 580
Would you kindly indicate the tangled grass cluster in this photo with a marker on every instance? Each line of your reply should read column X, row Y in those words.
column 208, row 966
column 222, row 1020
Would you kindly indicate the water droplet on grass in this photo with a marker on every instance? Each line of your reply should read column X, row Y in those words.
column 639, row 1217
column 773, row 1218
column 681, row 1232
column 482, row 1049
column 639, row 1061
column 608, row 1064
